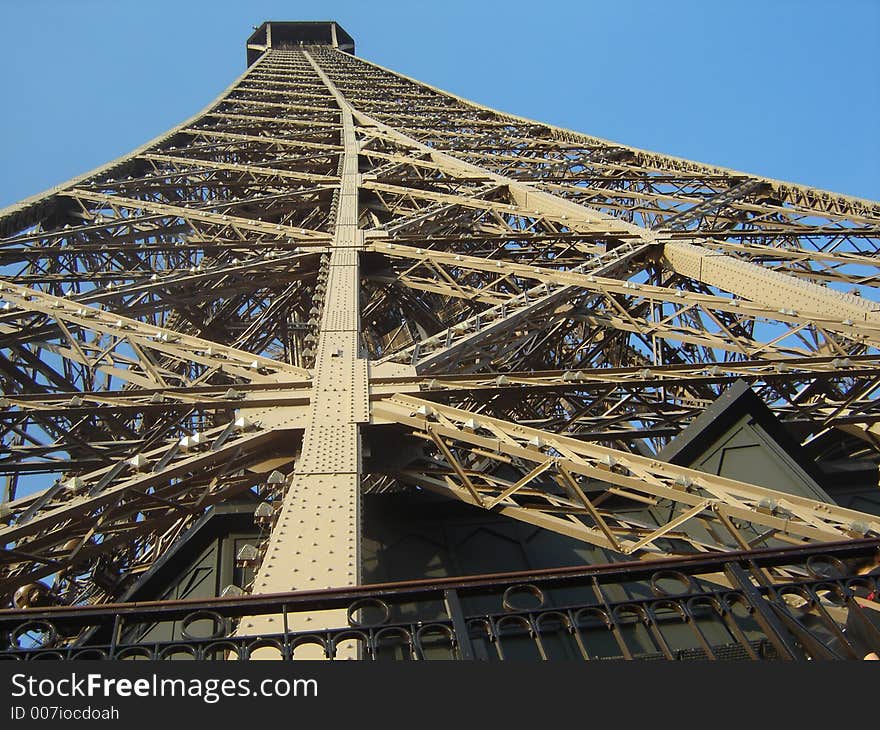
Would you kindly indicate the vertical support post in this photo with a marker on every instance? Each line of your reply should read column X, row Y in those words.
column 764, row 614
column 459, row 625
column 316, row 540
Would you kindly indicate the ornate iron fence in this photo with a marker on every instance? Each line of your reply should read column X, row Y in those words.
column 795, row 603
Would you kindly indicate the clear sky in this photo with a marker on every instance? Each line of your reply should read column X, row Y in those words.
column 785, row 88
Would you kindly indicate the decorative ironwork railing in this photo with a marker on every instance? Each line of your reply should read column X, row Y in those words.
column 795, row 603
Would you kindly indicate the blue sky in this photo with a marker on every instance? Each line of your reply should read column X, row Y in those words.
column 781, row 88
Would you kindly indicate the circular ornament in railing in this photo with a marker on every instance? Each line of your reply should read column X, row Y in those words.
column 90, row 654
column 48, row 656
column 34, row 635
column 220, row 651
column 219, row 625
column 178, row 652
column 135, row 654
column 368, row 612
column 433, row 640
column 522, row 597
column 796, row 599
column 671, row 583
column 832, row 592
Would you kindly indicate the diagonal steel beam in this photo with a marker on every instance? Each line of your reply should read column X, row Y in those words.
column 211, row 355
column 172, row 479
column 771, row 288
column 630, row 489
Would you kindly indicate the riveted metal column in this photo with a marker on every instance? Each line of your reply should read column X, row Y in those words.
column 315, row 542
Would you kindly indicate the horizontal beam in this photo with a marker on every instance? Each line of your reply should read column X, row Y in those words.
column 223, row 220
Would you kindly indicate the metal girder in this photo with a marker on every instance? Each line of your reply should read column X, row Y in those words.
column 624, row 404
column 822, row 308
column 724, row 198
column 600, row 495
column 774, row 289
column 559, row 141
column 768, row 287
column 139, row 338
column 71, row 524
column 315, row 542
column 493, row 324
column 664, row 375
column 222, row 220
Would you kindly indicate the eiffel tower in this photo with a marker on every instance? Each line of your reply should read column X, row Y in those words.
column 420, row 363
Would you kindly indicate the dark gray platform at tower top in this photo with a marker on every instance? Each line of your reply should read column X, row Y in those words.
column 275, row 34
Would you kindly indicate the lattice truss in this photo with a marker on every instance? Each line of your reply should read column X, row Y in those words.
column 540, row 312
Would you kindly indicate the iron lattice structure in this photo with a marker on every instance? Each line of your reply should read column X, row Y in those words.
column 337, row 280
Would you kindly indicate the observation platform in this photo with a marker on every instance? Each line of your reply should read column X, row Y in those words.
column 275, row 34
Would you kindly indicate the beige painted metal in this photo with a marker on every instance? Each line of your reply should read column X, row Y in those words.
column 686, row 495
column 759, row 284
column 445, row 346
column 528, row 200
column 315, row 542
column 315, row 539
column 622, row 377
column 761, row 289
column 776, row 290
column 281, row 141
column 141, row 337
column 781, row 292
column 838, row 312
column 264, row 170
column 101, row 502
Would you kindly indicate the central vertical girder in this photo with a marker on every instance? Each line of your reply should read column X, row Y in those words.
column 315, row 542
